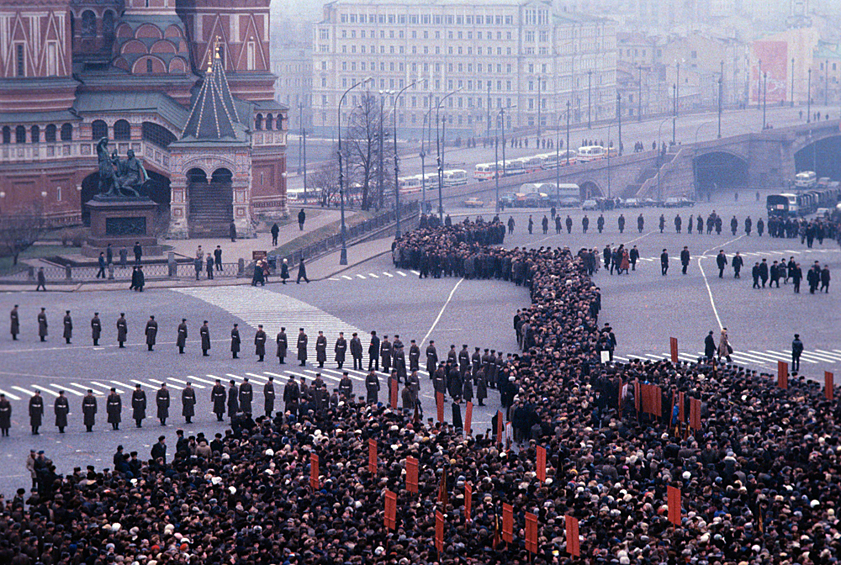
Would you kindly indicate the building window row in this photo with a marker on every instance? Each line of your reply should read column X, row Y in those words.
column 435, row 19
column 49, row 132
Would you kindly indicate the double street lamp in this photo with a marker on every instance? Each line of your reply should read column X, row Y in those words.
column 500, row 116
column 396, row 166
column 558, row 149
column 440, row 144
column 343, row 254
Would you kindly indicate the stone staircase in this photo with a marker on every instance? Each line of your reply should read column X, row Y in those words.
column 211, row 210
column 650, row 184
column 633, row 189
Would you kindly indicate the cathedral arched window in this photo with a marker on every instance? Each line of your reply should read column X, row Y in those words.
column 269, row 121
column 99, row 129
column 35, row 134
column 49, row 133
column 88, row 24
column 20, row 134
column 258, row 122
column 7, row 135
column 67, row 132
column 122, row 130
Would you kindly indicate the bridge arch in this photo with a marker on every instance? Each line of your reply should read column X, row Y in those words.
column 822, row 156
column 590, row 189
column 719, row 170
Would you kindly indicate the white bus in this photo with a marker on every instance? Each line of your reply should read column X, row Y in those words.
column 485, row 171
column 805, row 179
column 455, row 177
column 549, row 160
column 410, row 184
column 527, row 164
column 591, row 153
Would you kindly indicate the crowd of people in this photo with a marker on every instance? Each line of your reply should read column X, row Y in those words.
column 759, row 475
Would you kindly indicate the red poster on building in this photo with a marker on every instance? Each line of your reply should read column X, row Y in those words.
column 782, row 374
column 829, row 384
column 572, row 536
column 439, row 531
column 674, row 506
column 468, row 501
column 508, row 523
column 770, row 57
column 412, row 475
column 541, row 464
column 314, row 483
column 390, row 510
column 372, row 456
column 531, row 532
column 468, row 419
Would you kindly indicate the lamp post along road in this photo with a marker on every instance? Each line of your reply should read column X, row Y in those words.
column 396, row 159
column 764, row 97
column 609, row 125
column 441, row 143
column 343, row 254
column 809, row 99
column 659, row 163
column 558, row 151
column 720, row 97
column 499, row 116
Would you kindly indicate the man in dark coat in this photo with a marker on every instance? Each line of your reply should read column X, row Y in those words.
column 709, row 346
column 345, row 386
column 15, row 323
column 737, row 263
column 454, row 382
column 321, row 349
column 260, row 343
column 217, row 396
column 302, row 347
column 275, row 232
column 235, row 341
column 233, row 400
column 763, row 271
column 664, row 263
column 374, row 352
column 5, row 415
column 269, row 396
column 431, row 358
column 825, row 277
column 162, row 401
column 481, row 386
column 684, row 259
column 385, row 354
column 114, row 409
column 204, row 332
column 291, row 395
column 42, row 324
column 96, row 328
column 796, row 277
column 282, row 345
column 89, row 408
column 372, row 387
column 159, row 449
column 122, row 330
column 61, row 408
column 181, row 341
column 151, row 333
column 188, row 403
column 302, row 272
column 356, row 351
column 246, row 396
column 138, row 406
column 36, row 412
column 414, row 356
column 721, row 262
column 340, row 349
column 796, row 352
column 68, row 327
column 463, row 361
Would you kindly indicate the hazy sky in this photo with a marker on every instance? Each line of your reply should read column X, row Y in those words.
column 298, row 9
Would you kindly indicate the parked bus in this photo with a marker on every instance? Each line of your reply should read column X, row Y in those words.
column 786, row 204
column 455, row 177
column 591, row 153
column 527, row 164
column 485, row 171
column 805, row 179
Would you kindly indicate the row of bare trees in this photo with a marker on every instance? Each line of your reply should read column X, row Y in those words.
column 19, row 229
column 367, row 157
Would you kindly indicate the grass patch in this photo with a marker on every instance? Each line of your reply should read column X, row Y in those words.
column 321, row 233
column 33, row 252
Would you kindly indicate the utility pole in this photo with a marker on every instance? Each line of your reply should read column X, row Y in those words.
column 639, row 96
column 619, row 117
column 677, row 90
column 759, row 85
column 764, row 97
column 380, row 149
column 539, row 80
column 569, row 104
column 792, row 82
column 488, row 135
column 809, row 98
column 589, row 98
column 304, row 145
column 826, row 84
column 502, row 112
column 674, row 113
column 720, row 97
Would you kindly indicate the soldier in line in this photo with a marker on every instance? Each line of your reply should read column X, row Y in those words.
column 162, row 402
column 68, row 327
column 36, row 412
column 122, row 330
column 431, row 358
column 89, row 408
column 15, row 323
column 235, row 341
column 138, row 406
column 246, row 395
column 217, row 396
column 321, row 349
column 282, row 345
column 181, row 341
column 233, row 400
column 291, row 394
column 260, row 343
column 5, row 415
column 188, row 403
column 42, row 324
column 268, row 396
column 372, row 387
column 345, row 387
column 61, row 408
column 374, row 352
column 114, row 409
column 385, row 354
column 340, row 349
column 151, row 333
column 204, row 332
column 96, row 329
column 302, row 347
column 356, row 351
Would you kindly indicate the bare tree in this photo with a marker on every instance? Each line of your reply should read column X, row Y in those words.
column 19, row 230
column 368, row 126
column 325, row 180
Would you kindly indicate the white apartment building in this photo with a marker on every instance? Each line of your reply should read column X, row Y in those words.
column 522, row 55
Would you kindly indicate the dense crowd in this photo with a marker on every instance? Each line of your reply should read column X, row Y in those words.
column 759, row 479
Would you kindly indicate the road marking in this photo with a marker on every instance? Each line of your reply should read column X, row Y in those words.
column 707, row 282
column 259, row 377
column 401, row 273
column 828, row 353
column 414, row 272
column 762, row 355
column 333, row 279
column 23, row 390
column 323, row 375
column 347, row 277
column 807, row 355
column 9, row 394
column 179, row 381
column 349, row 371
column 360, row 276
column 389, row 275
column 45, row 389
column 437, row 318
column 84, row 388
column 70, row 390
column 106, row 387
column 114, row 382
column 201, row 380
column 372, row 275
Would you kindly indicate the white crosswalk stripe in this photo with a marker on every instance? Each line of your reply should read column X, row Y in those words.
column 389, row 275
column 23, row 390
column 65, row 389
column 836, row 356
column 192, row 384
column 45, row 389
column 9, row 394
column 372, row 275
column 106, row 387
column 401, row 273
column 360, row 276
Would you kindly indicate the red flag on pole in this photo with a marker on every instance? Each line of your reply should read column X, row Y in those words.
column 372, row 456
column 508, row 523
column 782, row 374
column 541, row 463
column 673, row 348
column 393, row 389
column 500, row 426
column 443, row 495
column 572, row 536
column 829, row 384
column 468, row 418
column 439, row 403
column 314, row 471
column 681, row 398
column 390, row 510
column 412, row 474
column 531, row 532
column 694, row 413
column 674, row 505
column 637, row 396
column 439, row 531
column 468, row 500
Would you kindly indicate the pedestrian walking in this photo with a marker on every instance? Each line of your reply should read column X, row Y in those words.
column 162, row 402
column 138, row 252
column 14, row 318
column 721, row 261
column 42, row 324
column 302, row 271
column 89, row 408
column 737, row 264
column 684, row 259
column 260, row 344
column 100, row 274
column 61, row 408
column 302, row 216
column 114, row 409
column 204, row 333
column 709, row 346
column 36, row 412
column 664, row 263
column 138, row 406
column 151, row 332
column 825, row 277
column 284, row 271
column 188, row 402
column 724, row 347
column 42, row 280
column 232, row 231
column 275, row 231
column 796, row 352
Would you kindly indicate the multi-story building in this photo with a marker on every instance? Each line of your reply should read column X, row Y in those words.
column 524, row 56
column 75, row 71
column 292, row 63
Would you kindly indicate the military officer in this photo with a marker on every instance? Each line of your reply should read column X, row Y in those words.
column 346, row 386
column 42, row 324
column 114, row 409
column 463, row 360
column 138, row 406
column 36, row 412
column 15, row 323
column 321, row 349
column 217, row 396
column 122, row 330
column 96, row 328
column 188, row 403
column 291, row 394
column 204, row 332
column 68, row 327
column 414, row 356
column 5, row 415
column 181, row 341
column 282, row 345
column 302, row 347
column 162, row 401
column 151, row 333
column 374, row 352
column 233, row 400
column 372, row 387
column 89, row 408
column 385, row 354
column 235, row 341
column 340, row 349
column 61, row 408
column 356, row 351
column 246, row 395
column 260, row 343
column 268, row 396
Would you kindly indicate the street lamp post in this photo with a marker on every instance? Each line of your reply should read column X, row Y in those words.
column 792, row 82
column 539, row 81
column 499, row 116
column 558, row 150
column 674, row 114
column 440, row 144
column 426, row 123
column 639, row 96
column 720, row 97
column 609, row 125
column 764, row 97
column 619, row 117
column 343, row 254
column 589, row 98
column 809, row 99
column 659, row 142
column 396, row 159
column 568, row 147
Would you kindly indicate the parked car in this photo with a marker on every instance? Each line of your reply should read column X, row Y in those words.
column 678, row 202
column 590, row 205
column 473, row 203
column 634, row 203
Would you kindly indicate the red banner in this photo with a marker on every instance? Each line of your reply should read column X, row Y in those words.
column 439, row 532
column 314, row 483
column 694, row 413
column 412, row 474
column 443, row 495
column 531, row 532
column 673, row 348
column 393, row 389
column 468, row 418
column 500, row 426
column 439, row 404
column 372, row 456
column 468, row 501
column 829, row 384
column 637, row 396
column 652, row 400
column 572, row 536
column 782, row 374
column 508, row 523
column 681, row 398
column 390, row 510
column 541, row 464
column 674, row 506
